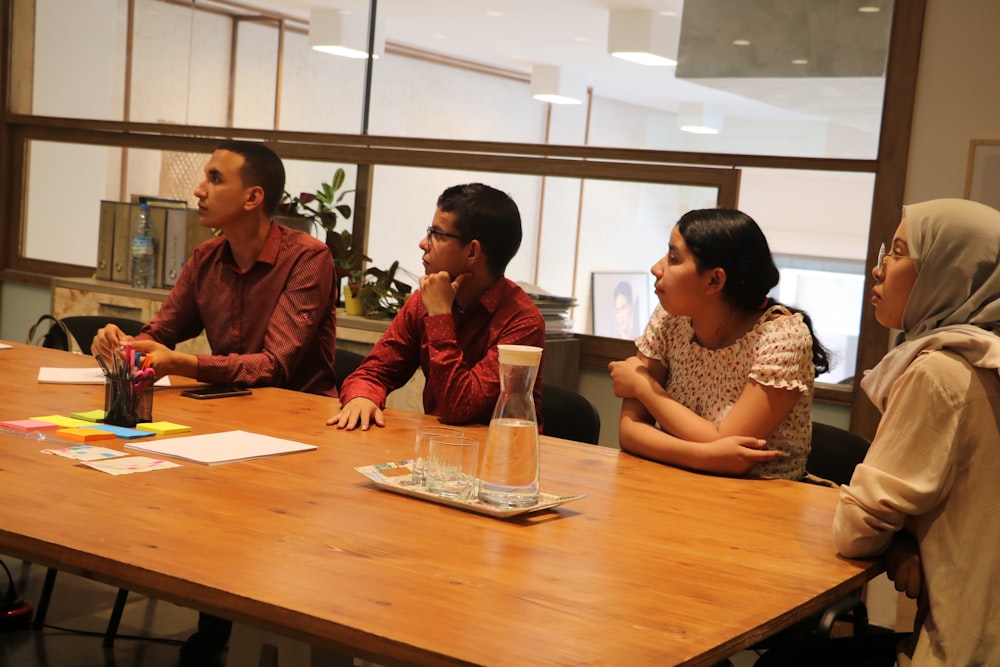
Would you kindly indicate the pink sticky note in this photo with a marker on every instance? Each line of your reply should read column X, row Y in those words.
column 28, row 425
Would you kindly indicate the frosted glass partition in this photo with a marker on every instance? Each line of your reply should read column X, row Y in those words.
column 810, row 84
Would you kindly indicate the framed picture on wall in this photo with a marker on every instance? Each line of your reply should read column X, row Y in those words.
column 621, row 303
column 982, row 181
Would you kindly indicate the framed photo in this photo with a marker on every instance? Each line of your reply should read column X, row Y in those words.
column 982, row 181
column 621, row 303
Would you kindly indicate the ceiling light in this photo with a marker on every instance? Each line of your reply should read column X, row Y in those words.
column 556, row 85
column 800, row 61
column 741, row 42
column 869, row 9
column 343, row 34
column 643, row 37
column 694, row 118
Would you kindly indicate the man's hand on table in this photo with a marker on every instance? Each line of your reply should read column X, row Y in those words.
column 357, row 412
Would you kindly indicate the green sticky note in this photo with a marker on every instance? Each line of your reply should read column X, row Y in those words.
column 90, row 415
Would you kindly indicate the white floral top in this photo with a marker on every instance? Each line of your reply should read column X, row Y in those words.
column 777, row 352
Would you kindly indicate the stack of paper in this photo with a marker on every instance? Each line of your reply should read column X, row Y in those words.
column 220, row 447
column 554, row 310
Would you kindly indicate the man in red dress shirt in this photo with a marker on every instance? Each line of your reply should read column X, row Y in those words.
column 451, row 326
column 263, row 293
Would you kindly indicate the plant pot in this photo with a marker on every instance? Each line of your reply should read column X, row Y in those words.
column 352, row 302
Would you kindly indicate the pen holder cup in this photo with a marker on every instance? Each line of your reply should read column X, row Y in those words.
column 127, row 402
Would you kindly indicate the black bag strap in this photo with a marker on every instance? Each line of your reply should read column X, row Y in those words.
column 56, row 336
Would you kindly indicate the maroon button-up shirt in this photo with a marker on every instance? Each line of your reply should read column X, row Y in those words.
column 457, row 352
column 271, row 325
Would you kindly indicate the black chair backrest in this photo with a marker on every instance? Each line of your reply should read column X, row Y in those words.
column 344, row 364
column 835, row 453
column 84, row 327
column 569, row 415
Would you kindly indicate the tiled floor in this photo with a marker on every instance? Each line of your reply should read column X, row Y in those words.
column 149, row 636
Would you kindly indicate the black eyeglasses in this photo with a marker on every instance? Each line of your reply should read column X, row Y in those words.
column 437, row 233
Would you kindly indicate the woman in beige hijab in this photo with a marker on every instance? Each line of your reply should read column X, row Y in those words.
column 927, row 495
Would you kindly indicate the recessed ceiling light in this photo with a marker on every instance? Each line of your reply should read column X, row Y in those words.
column 800, row 61
column 439, row 36
column 668, row 13
column 869, row 9
column 494, row 12
column 741, row 42
column 581, row 39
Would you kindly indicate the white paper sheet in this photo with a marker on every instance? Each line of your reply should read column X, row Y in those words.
column 225, row 447
column 93, row 375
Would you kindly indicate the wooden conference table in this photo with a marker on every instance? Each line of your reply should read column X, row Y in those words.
column 656, row 566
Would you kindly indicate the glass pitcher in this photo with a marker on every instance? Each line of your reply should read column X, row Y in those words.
column 508, row 473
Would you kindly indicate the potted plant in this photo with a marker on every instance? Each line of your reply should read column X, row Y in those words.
column 370, row 292
column 381, row 294
column 324, row 209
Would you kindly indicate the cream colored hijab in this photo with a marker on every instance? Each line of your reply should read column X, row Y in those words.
column 955, row 301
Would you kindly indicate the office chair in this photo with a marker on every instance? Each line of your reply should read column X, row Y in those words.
column 569, row 415
column 344, row 364
column 84, row 328
column 833, row 456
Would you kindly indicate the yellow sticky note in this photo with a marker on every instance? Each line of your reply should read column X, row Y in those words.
column 84, row 434
column 163, row 427
column 59, row 420
column 90, row 415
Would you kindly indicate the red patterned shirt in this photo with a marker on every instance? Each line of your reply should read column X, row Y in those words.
column 457, row 353
column 271, row 325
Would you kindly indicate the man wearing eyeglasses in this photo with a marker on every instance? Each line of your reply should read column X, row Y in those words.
column 451, row 326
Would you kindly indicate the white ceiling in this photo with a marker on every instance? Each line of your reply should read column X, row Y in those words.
column 745, row 81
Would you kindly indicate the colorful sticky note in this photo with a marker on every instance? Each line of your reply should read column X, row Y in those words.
column 163, row 427
column 125, row 433
column 84, row 434
column 90, row 415
column 28, row 425
column 67, row 422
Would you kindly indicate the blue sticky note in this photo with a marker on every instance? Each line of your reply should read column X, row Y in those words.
column 122, row 432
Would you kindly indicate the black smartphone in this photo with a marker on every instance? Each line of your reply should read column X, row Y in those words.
column 216, row 391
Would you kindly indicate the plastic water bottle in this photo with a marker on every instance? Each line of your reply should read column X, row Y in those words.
column 143, row 250
column 508, row 474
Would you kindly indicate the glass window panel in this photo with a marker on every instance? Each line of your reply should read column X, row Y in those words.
column 817, row 226
column 831, row 292
column 320, row 92
column 85, row 80
column 415, row 98
column 65, row 186
column 65, row 228
column 180, row 64
column 758, row 98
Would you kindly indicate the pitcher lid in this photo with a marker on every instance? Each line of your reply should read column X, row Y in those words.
column 520, row 355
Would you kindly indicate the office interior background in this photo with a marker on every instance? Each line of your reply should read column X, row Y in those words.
column 106, row 98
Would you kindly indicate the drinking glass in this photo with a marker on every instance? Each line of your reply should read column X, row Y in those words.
column 424, row 435
column 451, row 466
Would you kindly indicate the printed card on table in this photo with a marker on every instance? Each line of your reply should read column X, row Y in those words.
column 131, row 464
